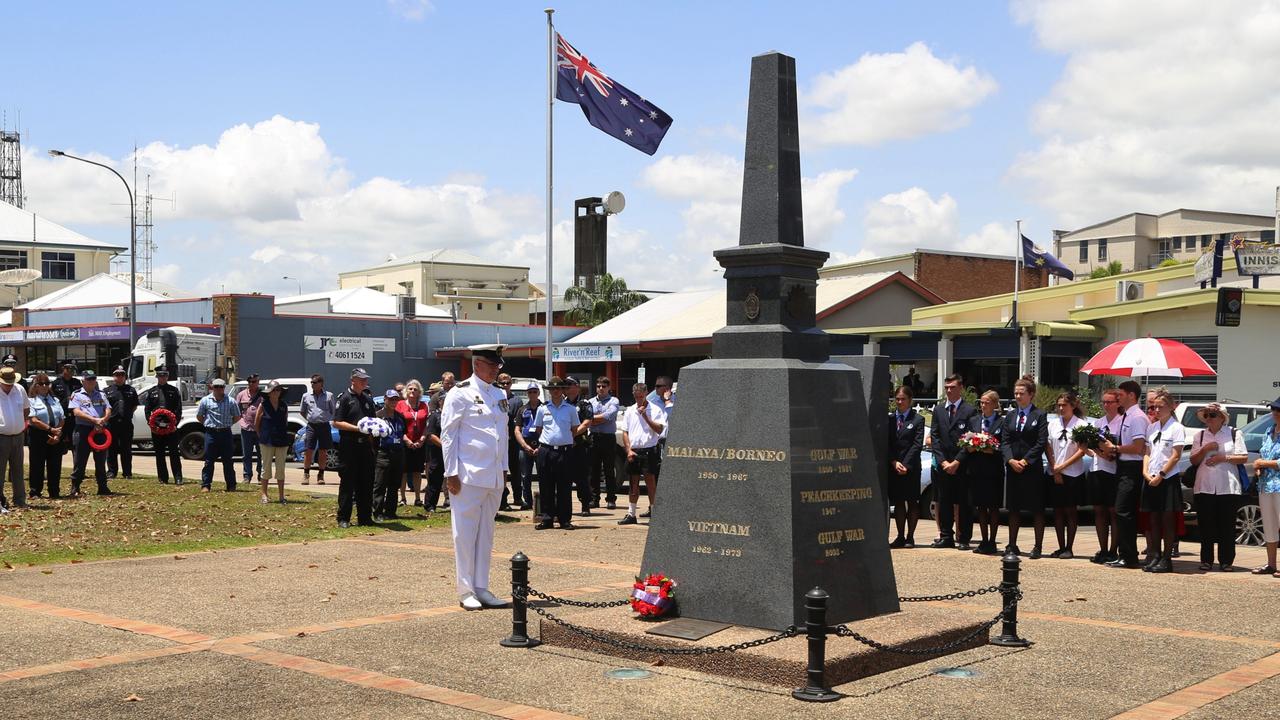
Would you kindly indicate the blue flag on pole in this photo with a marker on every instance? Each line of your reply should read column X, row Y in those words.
column 607, row 104
column 1035, row 258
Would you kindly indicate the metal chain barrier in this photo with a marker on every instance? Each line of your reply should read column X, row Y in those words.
column 626, row 645
column 952, row 596
column 576, row 603
column 983, row 629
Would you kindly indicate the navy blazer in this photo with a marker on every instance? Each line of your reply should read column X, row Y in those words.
column 945, row 432
column 905, row 445
column 1029, row 444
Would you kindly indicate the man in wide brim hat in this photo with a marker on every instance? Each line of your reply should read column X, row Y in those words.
column 474, row 436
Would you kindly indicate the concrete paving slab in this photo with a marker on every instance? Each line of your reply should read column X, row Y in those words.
column 1070, row 673
column 206, row 685
column 1244, row 704
column 270, row 587
column 35, row 639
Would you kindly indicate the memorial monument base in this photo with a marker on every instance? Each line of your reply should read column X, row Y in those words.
column 781, row 663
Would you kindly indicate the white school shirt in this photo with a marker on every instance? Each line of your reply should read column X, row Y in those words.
column 1063, row 449
column 1159, row 451
column 1134, row 425
column 1112, row 427
column 638, row 431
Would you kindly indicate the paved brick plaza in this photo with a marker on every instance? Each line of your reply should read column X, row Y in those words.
column 370, row 628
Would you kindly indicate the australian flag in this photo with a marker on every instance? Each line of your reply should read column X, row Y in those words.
column 606, row 103
column 1037, row 259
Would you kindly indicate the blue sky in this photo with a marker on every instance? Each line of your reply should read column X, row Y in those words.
column 308, row 138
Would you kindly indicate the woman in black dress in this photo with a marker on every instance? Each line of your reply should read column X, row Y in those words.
column 906, row 440
column 986, row 473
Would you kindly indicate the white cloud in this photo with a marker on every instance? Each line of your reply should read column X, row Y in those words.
column 891, row 96
column 1160, row 105
column 706, row 176
column 905, row 221
column 414, row 10
column 711, row 185
column 274, row 194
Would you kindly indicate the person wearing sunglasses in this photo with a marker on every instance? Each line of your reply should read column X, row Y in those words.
column 47, row 419
column 1162, row 493
column 1217, row 451
column 317, row 409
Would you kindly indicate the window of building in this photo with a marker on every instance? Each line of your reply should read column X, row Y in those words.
column 1164, row 248
column 1102, row 250
column 1084, row 251
column 1205, row 241
column 376, row 287
column 12, row 259
column 58, row 265
column 1177, row 244
column 479, row 306
column 1268, row 236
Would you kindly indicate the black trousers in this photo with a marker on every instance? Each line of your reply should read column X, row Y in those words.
column 355, row 483
column 388, row 471
column 435, row 485
column 120, row 454
column 167, row 446
column 45, row 463
column 1216, row 515
column 82, row 452
column 555, row 483
column 603, row 460
column 1128, row 493
column 953, row 492
column 581, row 457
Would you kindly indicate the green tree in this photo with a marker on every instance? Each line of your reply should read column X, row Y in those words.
column 610, row 299
column 1111, row 268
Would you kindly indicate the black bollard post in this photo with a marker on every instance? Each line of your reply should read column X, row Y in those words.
column 816, row 690
column 1008, row 636
column 519, row 637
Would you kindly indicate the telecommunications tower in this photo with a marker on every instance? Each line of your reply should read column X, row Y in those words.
column 11, row 168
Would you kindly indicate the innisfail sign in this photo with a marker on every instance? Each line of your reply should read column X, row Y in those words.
column 1258, row 259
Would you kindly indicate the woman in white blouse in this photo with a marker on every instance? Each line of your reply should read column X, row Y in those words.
column 1162, row 493
column 1216, row 451
column 1066, row 472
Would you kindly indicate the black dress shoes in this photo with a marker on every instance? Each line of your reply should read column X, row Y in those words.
column 899, row 542
column 942, row 543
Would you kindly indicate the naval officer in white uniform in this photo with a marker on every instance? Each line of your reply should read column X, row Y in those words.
column 474, row 435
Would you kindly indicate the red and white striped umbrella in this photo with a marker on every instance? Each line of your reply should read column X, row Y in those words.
column 1146, row 357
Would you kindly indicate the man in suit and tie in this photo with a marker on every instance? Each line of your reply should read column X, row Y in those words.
column 906, row 440
column 1026, row 432
column 952, row 418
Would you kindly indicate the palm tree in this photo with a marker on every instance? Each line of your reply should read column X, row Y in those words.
column 609, row 299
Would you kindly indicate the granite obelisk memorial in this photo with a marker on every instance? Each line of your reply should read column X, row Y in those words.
column 769, row 485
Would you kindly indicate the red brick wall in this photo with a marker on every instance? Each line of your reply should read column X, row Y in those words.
column 956, row 277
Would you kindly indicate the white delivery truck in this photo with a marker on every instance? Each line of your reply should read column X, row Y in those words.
column 192, row 359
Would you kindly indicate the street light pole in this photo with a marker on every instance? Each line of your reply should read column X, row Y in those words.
column 288, row 277
column 133, row 246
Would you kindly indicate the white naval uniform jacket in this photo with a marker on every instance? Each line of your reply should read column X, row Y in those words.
column 473, row 432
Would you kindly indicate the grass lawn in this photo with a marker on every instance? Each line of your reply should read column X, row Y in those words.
column 148, row 518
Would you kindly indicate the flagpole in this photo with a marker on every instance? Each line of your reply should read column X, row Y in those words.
column 551, row 98
column 1017, row 272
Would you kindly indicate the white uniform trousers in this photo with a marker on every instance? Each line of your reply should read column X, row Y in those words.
column 473, row 511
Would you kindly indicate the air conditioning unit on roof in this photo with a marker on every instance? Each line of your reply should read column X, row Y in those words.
column 406, row 307
column 1128, row 290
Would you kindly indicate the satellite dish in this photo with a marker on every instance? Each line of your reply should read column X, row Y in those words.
column 614, row 202
column 18, row 277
